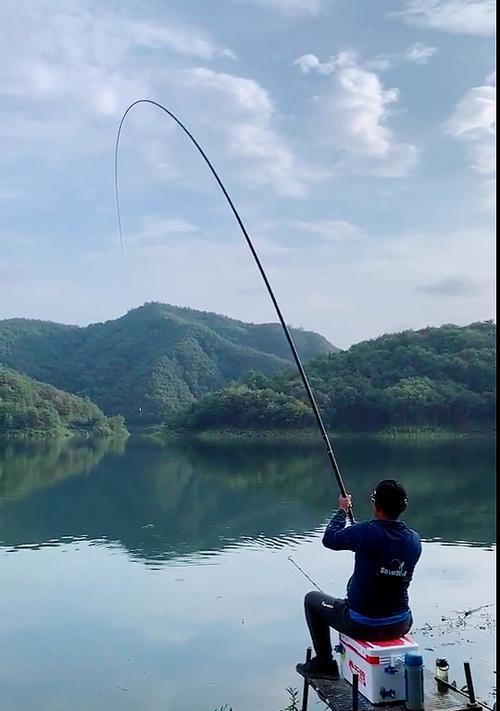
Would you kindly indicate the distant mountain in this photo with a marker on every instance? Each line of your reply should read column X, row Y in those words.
column 432, row 378
column 30, row 408
column 154, row 361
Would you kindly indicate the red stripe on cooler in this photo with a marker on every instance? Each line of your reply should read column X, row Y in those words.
column 398, row 642
column 370, row 659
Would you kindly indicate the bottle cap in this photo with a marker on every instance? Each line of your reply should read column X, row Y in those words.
column 412, row 659
column 441, row 663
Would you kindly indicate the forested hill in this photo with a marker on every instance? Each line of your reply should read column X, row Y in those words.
column 154, row 360
column 437, row 377
column 31, row 408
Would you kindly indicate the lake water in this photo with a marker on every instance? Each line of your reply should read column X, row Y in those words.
column 157, row 578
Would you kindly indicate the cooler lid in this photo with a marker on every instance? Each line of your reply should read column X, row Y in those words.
column 381, row 648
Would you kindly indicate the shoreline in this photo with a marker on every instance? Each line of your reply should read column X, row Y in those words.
column 159, row 435
column 40, row 436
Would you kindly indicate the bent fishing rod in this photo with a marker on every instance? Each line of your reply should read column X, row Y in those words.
column 288, row 336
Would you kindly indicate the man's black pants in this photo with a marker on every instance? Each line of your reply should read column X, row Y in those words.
column 324, row 611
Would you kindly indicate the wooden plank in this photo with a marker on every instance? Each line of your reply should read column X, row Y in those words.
column 337, row 695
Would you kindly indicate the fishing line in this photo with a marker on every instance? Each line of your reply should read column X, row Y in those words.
column 304, row 573
column 298, row 362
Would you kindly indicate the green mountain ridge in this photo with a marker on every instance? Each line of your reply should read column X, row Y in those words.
column 436, row 377
column 154, row 361
column 28, row 408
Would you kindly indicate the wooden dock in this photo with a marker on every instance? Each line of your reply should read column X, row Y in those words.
column 338, row 695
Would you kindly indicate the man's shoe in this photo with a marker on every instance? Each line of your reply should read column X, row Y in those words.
column 319, row 667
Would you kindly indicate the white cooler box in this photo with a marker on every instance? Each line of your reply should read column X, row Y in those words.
column 379, row 666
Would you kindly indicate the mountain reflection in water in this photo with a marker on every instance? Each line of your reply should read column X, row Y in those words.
column 188, row 498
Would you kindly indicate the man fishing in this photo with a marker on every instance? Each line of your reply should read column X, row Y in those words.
column 376, row 607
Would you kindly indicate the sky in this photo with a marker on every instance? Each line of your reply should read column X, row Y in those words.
column 356, row 138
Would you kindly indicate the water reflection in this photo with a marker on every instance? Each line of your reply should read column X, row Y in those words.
column 196, row 498
column 30, row 465
column 112, row 626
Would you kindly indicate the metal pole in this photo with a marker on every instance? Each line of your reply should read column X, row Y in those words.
column 355, row 694
column 451, row 687
column 470, row 685
column 298, row 362
column 305, row 693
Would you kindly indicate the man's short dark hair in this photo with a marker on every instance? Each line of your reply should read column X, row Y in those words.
column 390, row 497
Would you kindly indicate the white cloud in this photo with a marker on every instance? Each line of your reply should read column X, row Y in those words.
column 245, row 114
column 179, row 38
column 154, row 230
column 72, row 67
column 474, row 114
column 245, row 95
column 492, row 78
column 473, row 122
column 309, row 62
column 291, row 7
column 347, row 294
column 449, row 287
column 79, row 60
column 342, row 289
column 417, row 53
column 354, row 112
column 469, row 17
column 331, row 230
column 274, row 163
column 360, row 290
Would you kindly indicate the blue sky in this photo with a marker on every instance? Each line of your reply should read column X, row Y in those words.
column 357, row 138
